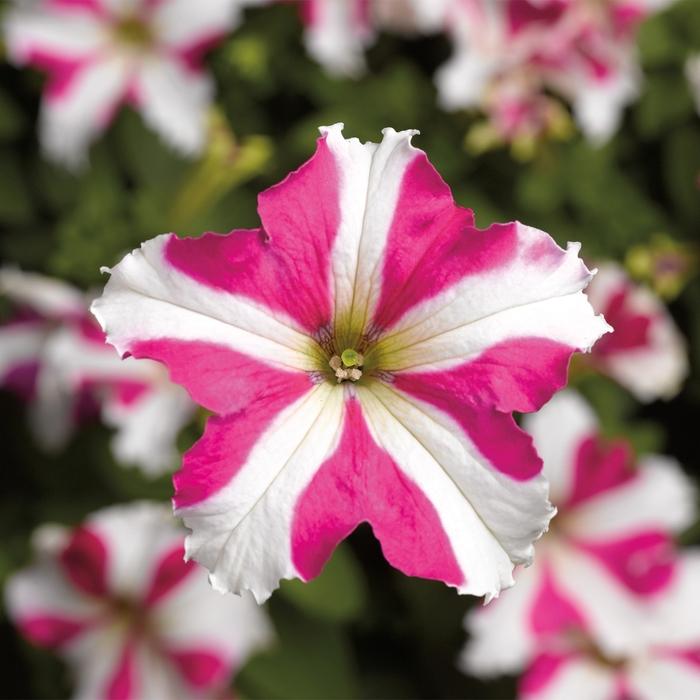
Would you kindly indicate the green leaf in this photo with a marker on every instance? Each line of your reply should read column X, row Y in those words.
column 681, row 167
column 15, row 203
column 338, row 594
column 666, row 102
column 311, row 660
column 11, row 118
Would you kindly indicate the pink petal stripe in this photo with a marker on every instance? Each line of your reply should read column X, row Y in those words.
column 523, row 13
column 122, row 684
column 542, row 672
column 128, row 392
column 599, row 467
column 286, row 265
column 689, row 656
column 201, row 668
column 170, row 571
column 62, row 71
column 51, row 631
column 94, row 6
column 515, row 375
column 644, row 563
column 84, row 561
column 551, row 612
column 252, row 401
column 432, row 244
column 631, row 328
column 361, row 483
column 192, row 55
column 223, row 380
column 21, row 380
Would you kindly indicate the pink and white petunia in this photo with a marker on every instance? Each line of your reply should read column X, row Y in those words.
column 41, row 305
column 54, row 356
column 101, row 53
column 115, row 598
column 647, row 353
column 663, row 661
column 337, row 32
column 582, row 50
column 363, row 352
column 608, row 553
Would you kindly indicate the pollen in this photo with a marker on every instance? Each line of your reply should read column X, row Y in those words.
column 347, row 366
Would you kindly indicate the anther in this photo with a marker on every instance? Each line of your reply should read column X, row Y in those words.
column 347, row 365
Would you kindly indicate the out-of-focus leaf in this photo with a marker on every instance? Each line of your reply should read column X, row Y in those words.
column 658, row 43
column 16, row 206
column 665, row 102
column 311, row 660
column 682, row 171
column 11, row 119
column 338, row 594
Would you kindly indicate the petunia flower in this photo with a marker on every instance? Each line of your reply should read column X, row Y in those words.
column 662, row 663
column 102, row 53
column 647, row 353
column 608, row 553
column 337, row 32
column 41, row 305
column 363, row 351
column 54, row 357
column 115, row 598
column 582, row 50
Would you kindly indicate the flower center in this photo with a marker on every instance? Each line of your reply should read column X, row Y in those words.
column 134, row 32
column 347, row 366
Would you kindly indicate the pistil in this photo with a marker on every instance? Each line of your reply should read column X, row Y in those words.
column 347, row 366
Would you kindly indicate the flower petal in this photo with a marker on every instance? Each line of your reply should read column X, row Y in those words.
column 659, row 497
column 665, row 677
column 337, row 32
column 133, row 561
column 489, row 651
column 558, row 430
column 182, row 24
column 46, row 608
column 47, row 296
column 360, row 482
column 174, row 101
column 51, row 37
column 490, row 519
column 206, row 647
column 153, row 295
column 147, row 429
column 242, row 532
column 509, row 282
column 646, row 353
column 557, row 676
column 73, row 116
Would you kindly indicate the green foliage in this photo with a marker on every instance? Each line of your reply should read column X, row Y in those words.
column 339, row 594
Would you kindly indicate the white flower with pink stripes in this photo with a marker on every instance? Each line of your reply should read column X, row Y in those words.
column 662, row 662
column 101, row 53
column 54, row 357
column 115, row 598
column 608, row 554
column 646, row 353
column 509, row 53
column 363, row 351
column 337, row 32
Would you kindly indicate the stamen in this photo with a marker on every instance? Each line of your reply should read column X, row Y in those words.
column 347, row 366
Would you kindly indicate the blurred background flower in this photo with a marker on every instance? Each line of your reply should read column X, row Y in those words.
column 124, row 119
